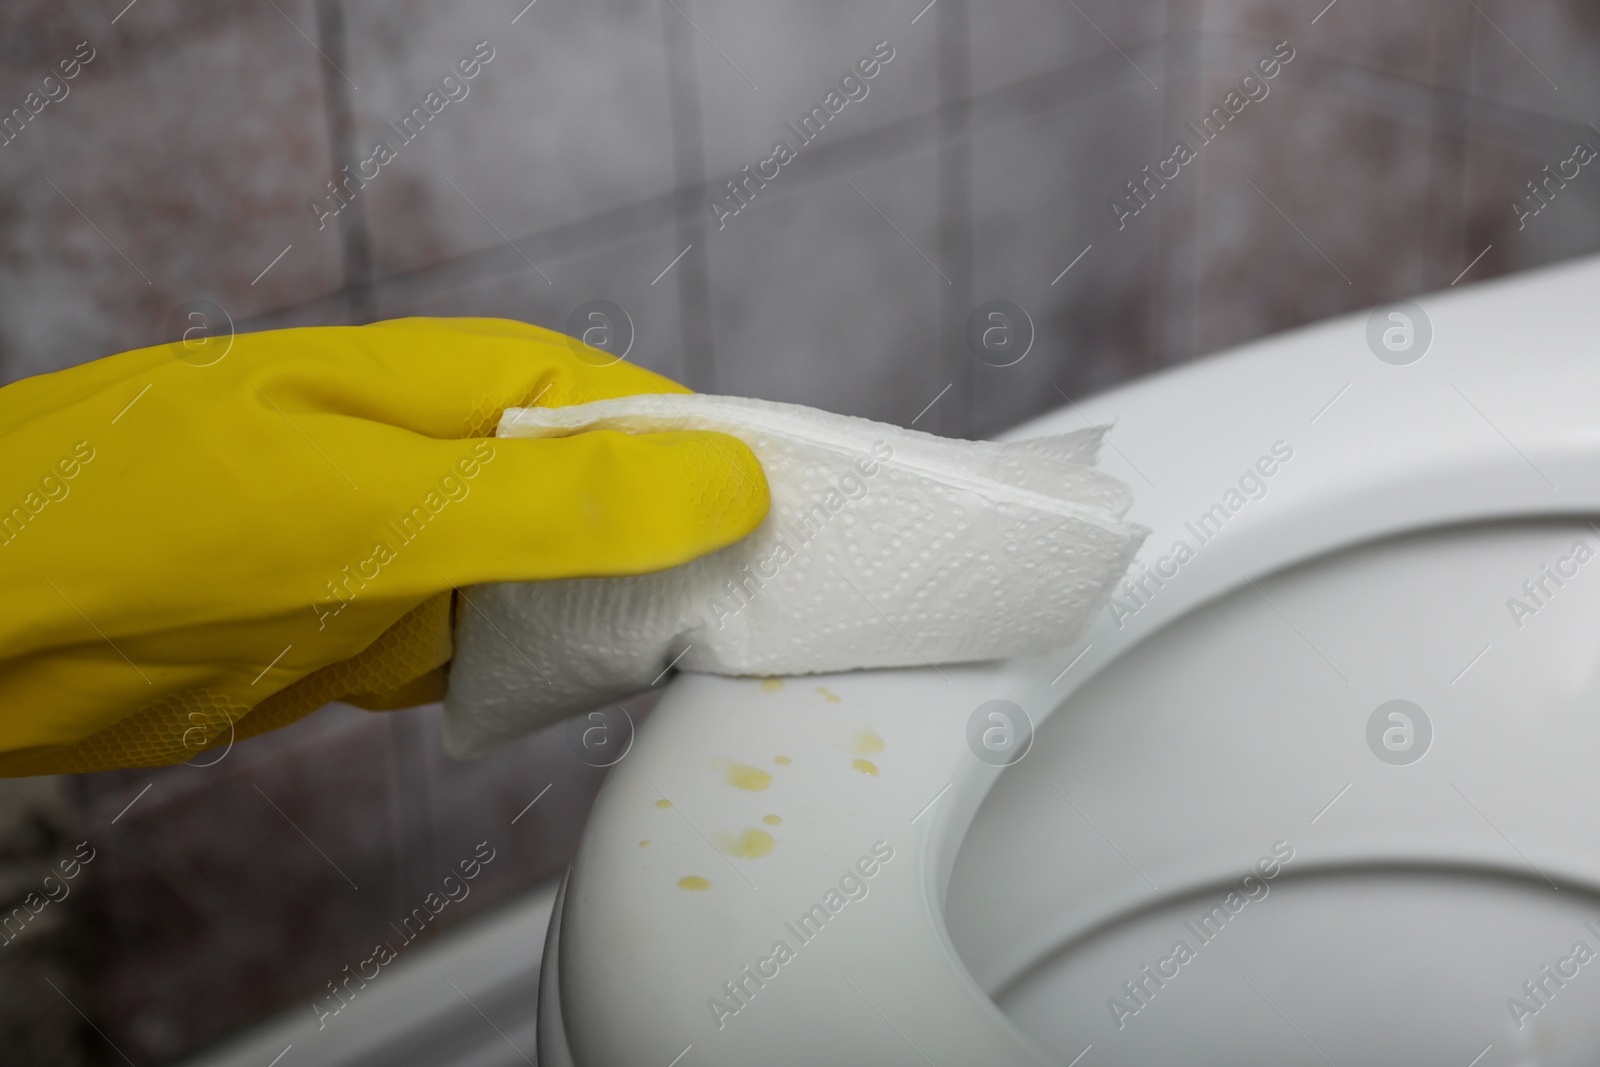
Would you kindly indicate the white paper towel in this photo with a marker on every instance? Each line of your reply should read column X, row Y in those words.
column 885, row 547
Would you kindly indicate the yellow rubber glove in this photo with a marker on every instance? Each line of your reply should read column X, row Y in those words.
column 193, row 553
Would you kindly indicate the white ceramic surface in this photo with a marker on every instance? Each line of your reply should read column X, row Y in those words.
column 1498, row 421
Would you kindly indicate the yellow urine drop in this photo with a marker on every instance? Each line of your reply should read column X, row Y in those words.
column 828, row 694
column 750, row 779
column 694, row 881
column 663, row 803
column 771, row 820
column 782, row 761
column 865, row 767
column 868, row 743
column 771, row 685
column 644, row 843
column 751, row 844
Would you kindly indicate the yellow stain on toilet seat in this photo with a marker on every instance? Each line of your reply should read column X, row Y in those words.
column 771, row 685
column 693, row 881
column 750, row 779
column 644, row 843
column 829, row 695
column 663, row 803
column 865, row 767
column 782, row 761
column 867, row 743
column 771, row 820
column 750, row 844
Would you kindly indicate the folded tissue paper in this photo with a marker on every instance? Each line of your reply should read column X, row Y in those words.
column 884, row 547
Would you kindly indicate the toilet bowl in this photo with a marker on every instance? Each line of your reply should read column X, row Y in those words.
column 1341, row 746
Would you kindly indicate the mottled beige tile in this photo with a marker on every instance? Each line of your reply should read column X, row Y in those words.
column 797, row 56
column 1016, row 39
column 1566, row 226
column 1309, row 207
column 206, row 886
column 621, row 273
column 817, row 299
column 187, row 168
column 1413, row 40
column 567, row 121
column 1539, row 57
column 1041, row 189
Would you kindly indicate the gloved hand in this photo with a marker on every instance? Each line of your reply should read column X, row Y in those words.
column 192, row 553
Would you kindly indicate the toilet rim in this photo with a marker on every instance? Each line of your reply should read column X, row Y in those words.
column 1490, row 424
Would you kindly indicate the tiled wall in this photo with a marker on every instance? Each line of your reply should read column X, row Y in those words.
column 1382, row 163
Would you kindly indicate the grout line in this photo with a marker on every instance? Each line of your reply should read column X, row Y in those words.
column 696, row 349
column 1113, row 44
column 1041, row 94
column 501, row 232
column 1513, row 44
column 355, row 243
column 315, row 45
column 713, row 44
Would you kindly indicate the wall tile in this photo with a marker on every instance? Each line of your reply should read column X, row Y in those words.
column 189, row 163
column 1319, row 233
column 1538, row 57
column 199, row 136
column 816, row 299
column 1016, row 39
column 1420, row 41
column 568, row 120
column 1497, row 176
column 796, row 55
column 621, row 273
column 205, row 886
column 1040, row 192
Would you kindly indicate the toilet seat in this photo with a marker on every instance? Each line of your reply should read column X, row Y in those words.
column 1496, row 422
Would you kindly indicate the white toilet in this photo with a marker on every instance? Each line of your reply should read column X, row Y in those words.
column 1221, row 763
